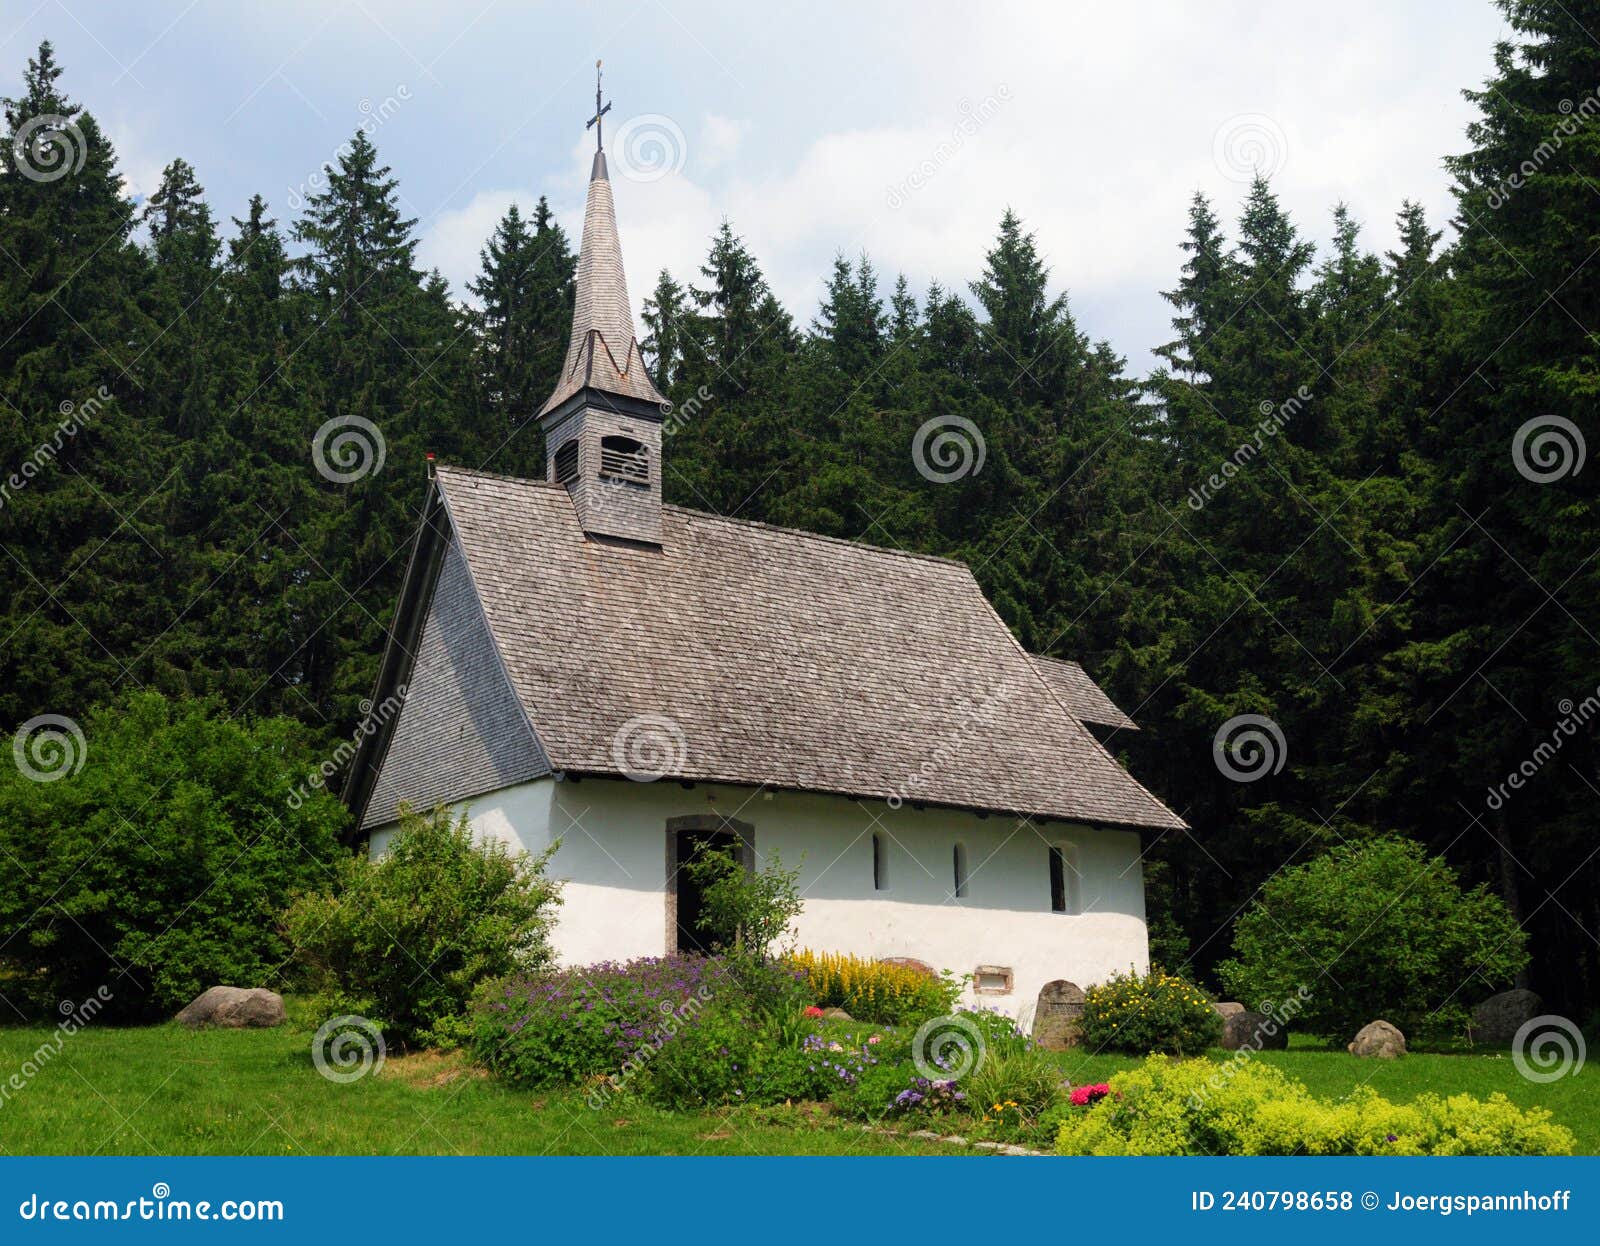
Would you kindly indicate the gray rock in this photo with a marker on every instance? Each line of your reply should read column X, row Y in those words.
column 235, row 1007
column 836, row 1014
column 1253, row 1031
column 1495, row 1022
column 1228, row 1010
column 1058, row 1016
column 1378, row 1039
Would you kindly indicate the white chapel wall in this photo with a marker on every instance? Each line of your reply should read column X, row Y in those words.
column 613, row 861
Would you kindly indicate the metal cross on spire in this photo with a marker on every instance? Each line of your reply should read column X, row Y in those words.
column 594, row 122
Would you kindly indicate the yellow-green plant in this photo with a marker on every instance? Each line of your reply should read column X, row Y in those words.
column 871, row 990
column 1198, row 1107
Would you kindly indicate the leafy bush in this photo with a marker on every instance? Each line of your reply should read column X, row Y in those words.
column 606, row 1019
column 1195, row 1107
column 711, row 1061
column 745, row 911
column 1151, row 1013
column 874, row 991
column 160, row 867
column 1391, row 923
column 726, row 1058
column 410, row 935
column 1026, row 1081
column 998, row 1034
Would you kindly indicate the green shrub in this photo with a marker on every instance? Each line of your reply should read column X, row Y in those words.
column 998, row 1034
column 159, row 868
column 743, row 1051
column 544, row 1029
column 871, row 990
column 1196, row 1107
column 412, row 934
column 745, row 911
column 1026, row 1081
column 711, row 1062
column 1158, row 1012
column 1392, row 926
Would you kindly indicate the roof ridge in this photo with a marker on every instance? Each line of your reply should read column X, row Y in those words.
column 712, row 517
column 458, row 470
column 819, row 536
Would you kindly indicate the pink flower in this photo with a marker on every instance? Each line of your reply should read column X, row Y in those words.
column 1088, row 1096
column 876, row 1038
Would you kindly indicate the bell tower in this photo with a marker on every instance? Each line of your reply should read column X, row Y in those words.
column 602, row 425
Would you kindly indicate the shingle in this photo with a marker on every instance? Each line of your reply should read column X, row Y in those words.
column 777, row 658
column 603, row 351
column 1085, row 699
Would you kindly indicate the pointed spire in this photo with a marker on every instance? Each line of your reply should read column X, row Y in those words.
column 603, row 352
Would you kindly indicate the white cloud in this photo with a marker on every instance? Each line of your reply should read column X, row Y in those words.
column 1096, row 125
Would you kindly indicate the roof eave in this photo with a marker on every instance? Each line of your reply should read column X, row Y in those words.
column 983, row 811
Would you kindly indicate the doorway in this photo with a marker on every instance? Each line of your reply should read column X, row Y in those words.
column 685, row 900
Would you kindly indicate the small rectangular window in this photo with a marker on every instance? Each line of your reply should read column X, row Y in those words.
column 880, row 866
column 959, row 866
column 1058, row 881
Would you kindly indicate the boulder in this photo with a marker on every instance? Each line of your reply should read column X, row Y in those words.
column 1228, row 1010
column 1253, row 1031
column 1379, row 1039
column 1495, row 1022
column 836, row 1014
column 234, row 1007
column 1058, row 1015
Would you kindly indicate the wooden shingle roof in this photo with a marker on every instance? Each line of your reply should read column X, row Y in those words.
column 767, row 656
column 603, row 351
column 1080, row 694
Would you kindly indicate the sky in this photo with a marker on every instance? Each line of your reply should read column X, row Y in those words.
column 900, row 130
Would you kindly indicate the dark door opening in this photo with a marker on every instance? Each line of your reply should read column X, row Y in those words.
column 691, row 901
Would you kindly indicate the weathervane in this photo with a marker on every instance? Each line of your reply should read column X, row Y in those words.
column 599, row 112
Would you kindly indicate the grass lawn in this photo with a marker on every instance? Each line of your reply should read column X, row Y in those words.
column 165, row 1090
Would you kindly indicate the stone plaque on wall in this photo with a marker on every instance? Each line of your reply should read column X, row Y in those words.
column 1057, row 1018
